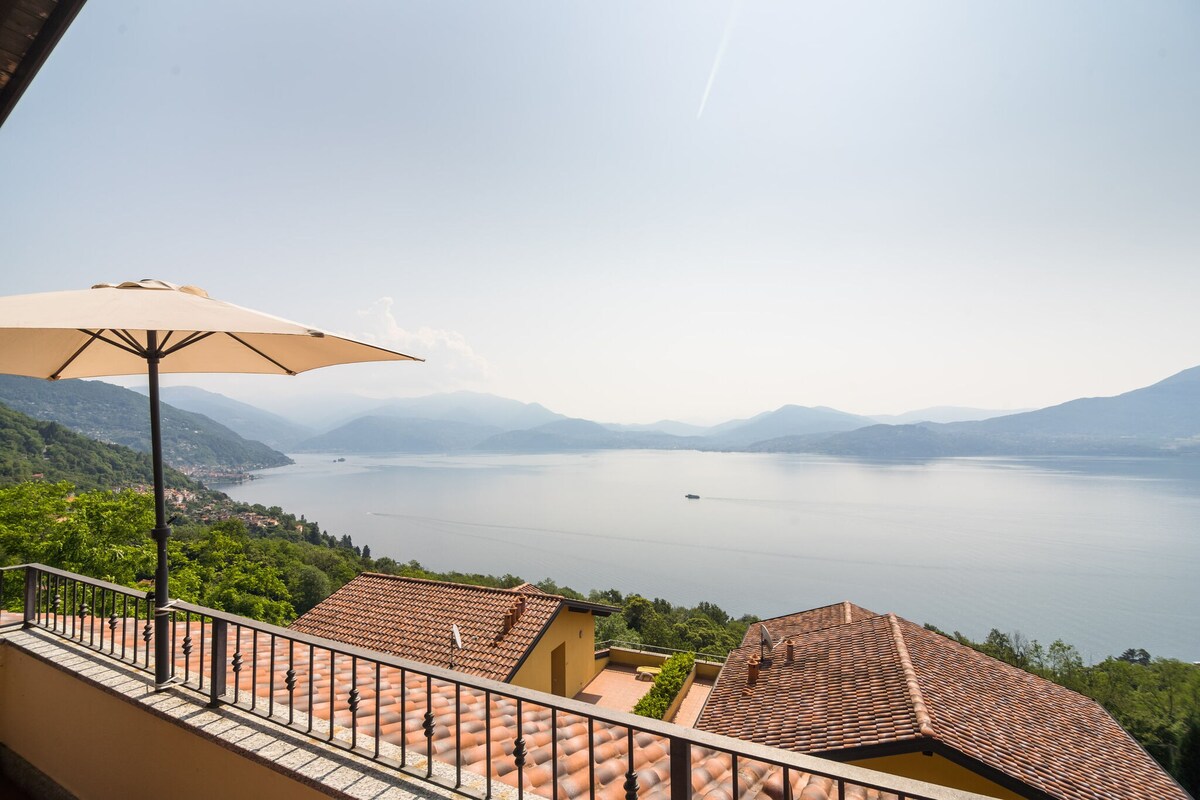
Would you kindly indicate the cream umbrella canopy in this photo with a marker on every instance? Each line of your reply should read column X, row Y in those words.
column 152, row 327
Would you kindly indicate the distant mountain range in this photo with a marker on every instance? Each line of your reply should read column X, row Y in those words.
column 1160, row 419
column 1156, row 420
column 116, row 415
column 943, row 414
column 243, row 419
column 1164, row 418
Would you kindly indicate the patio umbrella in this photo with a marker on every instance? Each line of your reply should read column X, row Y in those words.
column 151, row 327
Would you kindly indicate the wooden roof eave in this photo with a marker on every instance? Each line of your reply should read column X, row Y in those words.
column 59, row 17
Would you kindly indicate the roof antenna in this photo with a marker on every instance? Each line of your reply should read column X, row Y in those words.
column 455, row 642
column 765, row 643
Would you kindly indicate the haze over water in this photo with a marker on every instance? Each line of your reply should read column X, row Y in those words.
column 1101, row 553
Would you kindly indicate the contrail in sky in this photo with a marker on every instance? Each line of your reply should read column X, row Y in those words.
column 712, row 76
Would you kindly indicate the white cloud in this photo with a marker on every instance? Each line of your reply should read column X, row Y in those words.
column 447, row 353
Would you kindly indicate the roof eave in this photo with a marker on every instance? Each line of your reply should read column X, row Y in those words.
column 924, row 744
column 599, row 609
column 35, row 56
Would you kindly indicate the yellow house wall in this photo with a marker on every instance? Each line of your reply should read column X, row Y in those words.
column 96, row 745
column 937, row 769
column 578, row 631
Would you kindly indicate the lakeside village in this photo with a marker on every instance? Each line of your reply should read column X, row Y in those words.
column 208, row 507
column 215, row 476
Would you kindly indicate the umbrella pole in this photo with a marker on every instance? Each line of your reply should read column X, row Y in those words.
column 162, row 531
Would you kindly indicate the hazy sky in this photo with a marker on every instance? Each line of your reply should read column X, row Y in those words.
column 634, row 210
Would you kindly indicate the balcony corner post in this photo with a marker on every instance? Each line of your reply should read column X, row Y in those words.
column 31, row 579
column 681, row 769
column 220, row 643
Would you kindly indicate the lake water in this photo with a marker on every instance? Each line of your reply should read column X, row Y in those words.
column 1102, row 553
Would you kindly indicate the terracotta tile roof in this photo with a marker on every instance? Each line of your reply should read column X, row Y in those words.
column 845, row 688
column 884, row 683
column 460, row 722
column 412, row 618
column 1047, row 736
column 812, row 620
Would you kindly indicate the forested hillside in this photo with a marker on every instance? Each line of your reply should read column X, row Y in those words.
column 35, row 449
column 120, row 416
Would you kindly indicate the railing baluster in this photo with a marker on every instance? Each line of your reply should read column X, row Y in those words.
column 200, row 660
column 787, row 784
column 427, row 726
column 378, row 669
column 487, row 717
column 102, row 615
column 734, row 765
column 457, row 735
column 591, row 758
column 253, row 669
column 352, row 702
column 148, row 631
column 290, row 681
column 112, row 624
column 271, row 681
column 519, row 753
column 312, row 679
column 332, row 693
column 92, row 619
column 631, row 781
column 124, row 623
column 404, row 719
column 554, row 752
column 237, row 665
column 187, row 643
column 83, row 611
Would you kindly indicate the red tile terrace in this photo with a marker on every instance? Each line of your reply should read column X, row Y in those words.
column 434, row 726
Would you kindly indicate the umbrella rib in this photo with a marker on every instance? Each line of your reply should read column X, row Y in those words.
column 131, row 345
column 189, row 339
column 260, row 353
column 93, row 337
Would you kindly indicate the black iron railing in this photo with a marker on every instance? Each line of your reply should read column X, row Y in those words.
column 458, row 731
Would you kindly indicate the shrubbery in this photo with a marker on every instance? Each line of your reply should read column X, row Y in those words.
column 667, row 684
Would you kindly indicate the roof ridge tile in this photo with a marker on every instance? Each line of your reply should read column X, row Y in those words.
column 514, row 592
column 920, row 710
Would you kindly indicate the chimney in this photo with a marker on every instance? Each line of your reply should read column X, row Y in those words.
column 753, row 666
column 511, row 616
column 791, row 651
